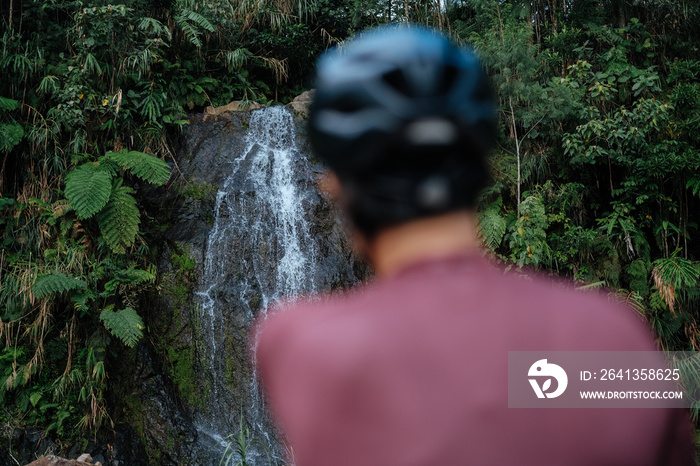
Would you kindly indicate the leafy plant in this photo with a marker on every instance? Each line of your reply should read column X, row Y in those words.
column 238, row 446
column 56, row 283
column 124, row 324
column 92, row 188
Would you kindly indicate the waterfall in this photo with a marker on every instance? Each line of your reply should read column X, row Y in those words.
column 260, row 250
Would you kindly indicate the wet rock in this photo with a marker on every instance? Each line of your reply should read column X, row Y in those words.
column 235, row 106
column 301, row 103
column 52, row 460
column 188, row 398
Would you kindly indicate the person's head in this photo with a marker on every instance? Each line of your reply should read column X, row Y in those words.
column 405, row 119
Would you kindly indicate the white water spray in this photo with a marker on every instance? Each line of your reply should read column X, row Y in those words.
column 260, row 226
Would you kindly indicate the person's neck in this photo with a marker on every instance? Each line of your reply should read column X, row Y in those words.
column 396, row 247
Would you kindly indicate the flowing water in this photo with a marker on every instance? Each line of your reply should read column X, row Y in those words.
column 260, row 250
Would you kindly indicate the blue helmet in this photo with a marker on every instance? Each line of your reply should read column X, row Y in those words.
column 406, row 120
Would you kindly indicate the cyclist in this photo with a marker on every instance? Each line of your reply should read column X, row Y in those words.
column 412, row 369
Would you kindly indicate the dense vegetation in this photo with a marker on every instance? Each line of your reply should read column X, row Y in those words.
column 597, row 172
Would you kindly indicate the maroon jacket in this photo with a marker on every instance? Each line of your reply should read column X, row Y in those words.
column 412, row 370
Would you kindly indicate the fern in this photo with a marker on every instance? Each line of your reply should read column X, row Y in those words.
column 56, row 283
column 134, row 276
column 119, row 220
column 638, row 271
column 145, row 166
column 492, row 225
column 125, row 325
column 88, row 189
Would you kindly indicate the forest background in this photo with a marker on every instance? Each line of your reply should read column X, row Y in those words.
column 596, row 174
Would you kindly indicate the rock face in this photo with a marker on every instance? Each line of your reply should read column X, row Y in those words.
column 247, row 227
column 118, row 447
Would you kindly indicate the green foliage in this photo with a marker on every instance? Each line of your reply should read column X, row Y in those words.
column 10, row 136
column 238, row 446
column 596, row 174
column 689, row 368
column 145, row 166
column 184, row 374
column 119, row 219
column 527, row 240
column 56, row 283
column 88, row 189
column 124, row 324
column 193, row 25
column 492, row 224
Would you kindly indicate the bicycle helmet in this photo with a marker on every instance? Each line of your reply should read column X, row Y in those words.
column 405, row 118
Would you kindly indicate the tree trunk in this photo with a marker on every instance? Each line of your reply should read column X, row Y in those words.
column 517, row 147
column 621, row 13
column 553, row 14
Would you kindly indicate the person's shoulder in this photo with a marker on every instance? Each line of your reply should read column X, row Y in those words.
column 598, row 317
column 307, row 330
column 302, row 316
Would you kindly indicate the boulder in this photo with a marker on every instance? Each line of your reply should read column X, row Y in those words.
column 51, row 460
column 302, row 102
column 235, row 106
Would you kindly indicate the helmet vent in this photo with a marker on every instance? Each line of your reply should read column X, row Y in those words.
column 432, row 131
column 347, row 104
column 397, row 81
column 434, row 193
column 449, row 78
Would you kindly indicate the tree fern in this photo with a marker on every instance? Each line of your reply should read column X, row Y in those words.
column 492, row 225
column 88, row 189
column 56, row 283
column 145, row 166
column 119, row 220
column 125, row 325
